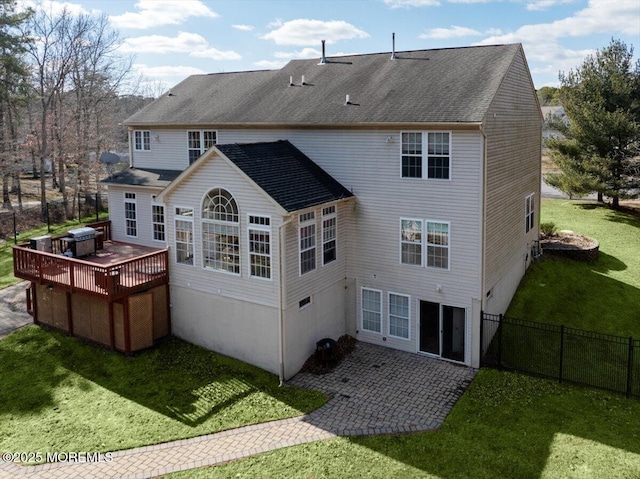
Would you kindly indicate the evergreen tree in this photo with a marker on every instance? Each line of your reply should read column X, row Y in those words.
column 600, row 152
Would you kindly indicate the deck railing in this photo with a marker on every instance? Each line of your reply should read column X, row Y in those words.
column 110, row 282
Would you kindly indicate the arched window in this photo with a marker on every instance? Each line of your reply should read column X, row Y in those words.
column 220, row 232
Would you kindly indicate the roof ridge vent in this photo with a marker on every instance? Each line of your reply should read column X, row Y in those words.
column 393, row 46
column 323, row 60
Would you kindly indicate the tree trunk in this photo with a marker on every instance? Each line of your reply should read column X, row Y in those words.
column 616, row 202
column 600, row 197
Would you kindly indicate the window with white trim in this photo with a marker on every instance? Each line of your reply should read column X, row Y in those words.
column 529, row 213
column 142, row 140
column 199, row 141
column 399, row 314
column 371, row 310
column 437, row 245
column 329, row 229
column 157, row 221
column 438, row 158
column 259, row 231
column 307, row 236
column 184, row 235
column 130, row 215
column 220, row 232
column 411, row 241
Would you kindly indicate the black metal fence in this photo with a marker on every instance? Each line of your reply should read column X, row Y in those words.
column 30, row 216
column 567, row 354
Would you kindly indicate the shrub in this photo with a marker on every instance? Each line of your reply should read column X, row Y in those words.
column 548, row 228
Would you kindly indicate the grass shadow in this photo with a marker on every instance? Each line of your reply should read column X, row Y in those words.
column 622, row 215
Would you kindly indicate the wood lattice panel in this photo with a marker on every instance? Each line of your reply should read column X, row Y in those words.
column 141, row 320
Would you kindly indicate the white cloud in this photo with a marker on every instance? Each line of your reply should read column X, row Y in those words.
column 411, row 3
column 192, row 43
column 215, row 54
column 167, row 72
column 243, row 28
column 304, row 53
column 271, row 65
column 539, row 5
column 153, row 13
column 302, row 32
column 543, row 42
column 493, row 31
column 472, row 1
column 53, row 6
column 453, row 32
column 184, row 42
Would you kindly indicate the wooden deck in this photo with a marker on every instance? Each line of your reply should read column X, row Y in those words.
column 112, row 273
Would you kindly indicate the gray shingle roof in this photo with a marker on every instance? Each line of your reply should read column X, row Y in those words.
column 142, row 177
column 454, row 85
column 286, row 174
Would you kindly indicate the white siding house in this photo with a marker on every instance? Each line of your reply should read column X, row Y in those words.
column 434, row 172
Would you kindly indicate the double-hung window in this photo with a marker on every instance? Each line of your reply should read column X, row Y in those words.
column 259, row 231
column 199, row 141
column 329, row 226
column 307, row 241
column 221, row 232
column 438, row 245
column 142, row 140
column 529, row 213
column 130, row 214
column 411, row 241
column 438, row 155
column 184, row 235
column 399, row 315
column 157, row 221
column 371, row 310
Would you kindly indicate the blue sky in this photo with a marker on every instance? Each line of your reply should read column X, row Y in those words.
column 172, row 39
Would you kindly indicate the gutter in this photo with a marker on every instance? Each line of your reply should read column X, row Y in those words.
column 281, row 240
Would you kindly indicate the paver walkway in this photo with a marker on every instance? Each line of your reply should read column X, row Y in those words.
column 13, row 308
column 375, row 390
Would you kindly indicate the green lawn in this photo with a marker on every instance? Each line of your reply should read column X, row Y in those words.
column 59, row 394
column 509, row 425
column 603, row 296
column 505, row 426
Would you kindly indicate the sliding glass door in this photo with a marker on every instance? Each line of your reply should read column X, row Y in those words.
column 442, row 330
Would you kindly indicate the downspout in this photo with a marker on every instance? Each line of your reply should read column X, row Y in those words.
column 281, row 240
column 483, row 202
column 130, row 148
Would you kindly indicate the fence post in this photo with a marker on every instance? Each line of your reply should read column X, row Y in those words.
column 561, row 352
column 481, row 336
column 630, row 367
column 500, row 342
column 15, row 231
column 48, row 220
column 79, row 210
column 97, row 216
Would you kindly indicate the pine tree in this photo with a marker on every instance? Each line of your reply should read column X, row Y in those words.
column 600, row 151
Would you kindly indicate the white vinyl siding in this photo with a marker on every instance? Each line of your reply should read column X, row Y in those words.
column 371, row 310
column 130, row 215
column 399, row 315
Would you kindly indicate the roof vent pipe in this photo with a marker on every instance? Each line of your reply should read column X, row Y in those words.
column 323, row 60
column 303, row 80
column 347, row 100
column 290, row 81
column 393, row 46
